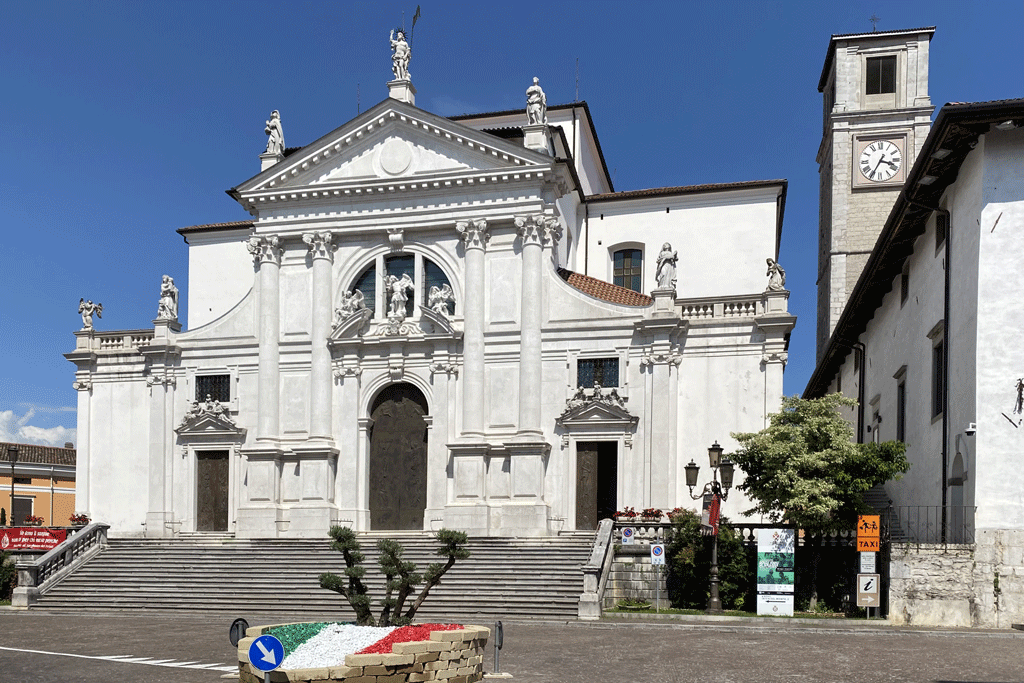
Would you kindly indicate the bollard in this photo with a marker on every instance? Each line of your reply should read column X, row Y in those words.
column 237, row 631
column 499, row 637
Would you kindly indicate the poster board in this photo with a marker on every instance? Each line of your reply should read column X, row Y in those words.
column 776, row 575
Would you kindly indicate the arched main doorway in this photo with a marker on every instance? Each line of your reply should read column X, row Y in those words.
column 398, row 459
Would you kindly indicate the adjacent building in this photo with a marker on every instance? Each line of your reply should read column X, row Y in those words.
column 42, row 481
column 928, row 337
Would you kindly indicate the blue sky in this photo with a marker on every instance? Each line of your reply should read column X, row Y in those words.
column 123, row 121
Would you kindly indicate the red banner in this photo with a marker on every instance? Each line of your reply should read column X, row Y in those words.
column 31, row 538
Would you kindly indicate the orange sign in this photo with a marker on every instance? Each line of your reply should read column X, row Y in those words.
column 868, row 545
column 868, row 526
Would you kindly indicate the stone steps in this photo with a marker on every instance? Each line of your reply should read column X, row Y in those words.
column 504, row 578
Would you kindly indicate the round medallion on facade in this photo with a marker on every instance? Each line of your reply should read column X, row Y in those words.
column 395, row 156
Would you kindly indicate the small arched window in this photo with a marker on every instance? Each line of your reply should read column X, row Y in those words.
column 424, row 273
column 628, row 268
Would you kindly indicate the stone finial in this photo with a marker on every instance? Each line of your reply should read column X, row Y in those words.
column 167, row 308
column 667, row 267
column 536, row 104
column 776, row 276
column 87, row 310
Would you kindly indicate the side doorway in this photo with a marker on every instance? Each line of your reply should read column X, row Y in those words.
column 212, row 490
column 596, row 482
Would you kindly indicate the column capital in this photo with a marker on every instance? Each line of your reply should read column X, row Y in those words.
column 538, row 229
column 320, row 244
column 265, row 249
column 473, row 233
column 82, row 385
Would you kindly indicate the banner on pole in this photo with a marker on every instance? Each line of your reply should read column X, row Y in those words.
column 710, row 514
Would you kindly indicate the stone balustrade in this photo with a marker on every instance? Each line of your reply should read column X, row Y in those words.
column 732, row 307
column 35, row 577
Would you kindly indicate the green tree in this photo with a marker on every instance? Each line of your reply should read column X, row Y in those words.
column 688, row 560
column 805, row 469
column 8, row 574
column 401, row 577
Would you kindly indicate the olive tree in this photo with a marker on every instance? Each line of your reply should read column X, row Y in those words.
column 401, row 577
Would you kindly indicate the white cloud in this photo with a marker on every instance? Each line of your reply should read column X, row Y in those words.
column 16, row 429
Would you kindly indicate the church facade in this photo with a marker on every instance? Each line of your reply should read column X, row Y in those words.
column 431, row 321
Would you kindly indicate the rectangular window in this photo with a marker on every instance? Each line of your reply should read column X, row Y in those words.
column 938, row 377
column 603, row 371
column 905, row 282
column 627, row 268
column 217, row 387
column 27, row 481
column 941, row 228
column 881, row 75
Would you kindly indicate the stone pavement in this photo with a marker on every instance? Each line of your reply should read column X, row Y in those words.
column 40, row 646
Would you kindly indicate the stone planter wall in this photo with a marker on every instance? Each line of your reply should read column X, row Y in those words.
column 449, row 656
column 633, row 576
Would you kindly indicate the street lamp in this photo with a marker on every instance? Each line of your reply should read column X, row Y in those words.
column 12, row 455
column 718, row 491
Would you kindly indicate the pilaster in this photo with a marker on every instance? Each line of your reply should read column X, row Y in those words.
column 321, row 249
column 475, row 236
column 266, row 253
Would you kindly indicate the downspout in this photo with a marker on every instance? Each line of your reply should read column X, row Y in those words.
column 945, row 362
column 586, row 238
column 946, row 340
column 861, row 351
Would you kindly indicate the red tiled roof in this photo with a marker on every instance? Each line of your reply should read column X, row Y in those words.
column 30, row 453
column 605, row 291
column 211, row 227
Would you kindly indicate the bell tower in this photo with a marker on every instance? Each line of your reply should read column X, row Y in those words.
column 876, row 116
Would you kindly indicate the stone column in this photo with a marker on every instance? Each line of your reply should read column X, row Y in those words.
column 321, row 250
column 475, row 235
column 156, row 518
column 82, row 471
column 266, row 254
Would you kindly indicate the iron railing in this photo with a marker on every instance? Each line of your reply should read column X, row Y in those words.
column 935, row 523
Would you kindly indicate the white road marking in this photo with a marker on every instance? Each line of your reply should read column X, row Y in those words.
column 129, row 659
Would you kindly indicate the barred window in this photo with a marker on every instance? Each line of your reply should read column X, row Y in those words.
column 218, row 387
column 603, row 371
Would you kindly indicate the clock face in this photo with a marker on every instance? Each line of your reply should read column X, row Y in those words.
column 880, row 161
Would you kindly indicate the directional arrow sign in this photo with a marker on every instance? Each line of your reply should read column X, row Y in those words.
column 266, row 653
column 867, row 590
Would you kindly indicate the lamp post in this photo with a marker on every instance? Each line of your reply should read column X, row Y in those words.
column 719, row 491
column 12, row 455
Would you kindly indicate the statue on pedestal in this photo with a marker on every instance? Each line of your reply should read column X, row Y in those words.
column 275, row 134
column 400, row 58
column 88, row 309
column 168, row 306
column 667, row 267
column 351, row 302
column 536, row 103
column 398, row 288
column 776, row 276
column 438, row 299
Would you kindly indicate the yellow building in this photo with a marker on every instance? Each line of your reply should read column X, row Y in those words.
column 43, row 486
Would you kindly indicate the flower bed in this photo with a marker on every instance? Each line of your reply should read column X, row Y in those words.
column 322, row 652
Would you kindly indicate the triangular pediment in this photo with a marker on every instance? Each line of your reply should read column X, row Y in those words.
column 394, row 141
column 596, row 412
column 207, row 423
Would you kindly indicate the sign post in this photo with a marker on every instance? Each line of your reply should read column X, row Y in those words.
column 869, row 531
column 657, row 560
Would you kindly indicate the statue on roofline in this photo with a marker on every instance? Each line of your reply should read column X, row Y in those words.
column 88, row 309
column 666, row 272
column 776, row 276
column 536, row 103
column 401, row 56
column 167, row 309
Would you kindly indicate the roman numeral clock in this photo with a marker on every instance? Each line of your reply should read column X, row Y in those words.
column 879, row 162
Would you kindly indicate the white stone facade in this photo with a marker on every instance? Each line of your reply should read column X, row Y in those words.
column 501, row 225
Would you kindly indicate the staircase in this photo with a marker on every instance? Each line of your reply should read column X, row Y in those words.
column 505, row 578
column 878, row 499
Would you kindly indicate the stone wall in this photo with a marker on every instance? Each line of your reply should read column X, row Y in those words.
column 450, row 656
column 980, row 585
column 632, row 576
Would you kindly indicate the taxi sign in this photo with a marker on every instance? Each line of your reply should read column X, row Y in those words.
column 868, row 545
column 867, row 590
column 266, row 653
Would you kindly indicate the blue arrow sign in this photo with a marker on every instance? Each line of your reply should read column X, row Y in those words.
column 266, row 653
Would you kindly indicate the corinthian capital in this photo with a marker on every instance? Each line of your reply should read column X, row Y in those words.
column 320, row 244
column 538, row 229
column 473, row 233
column 265, row 249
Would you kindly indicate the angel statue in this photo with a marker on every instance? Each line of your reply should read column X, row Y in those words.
column 167, row 309
column 438, row 299
column 87, row 309
column 398, row 287
column 351, row 302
